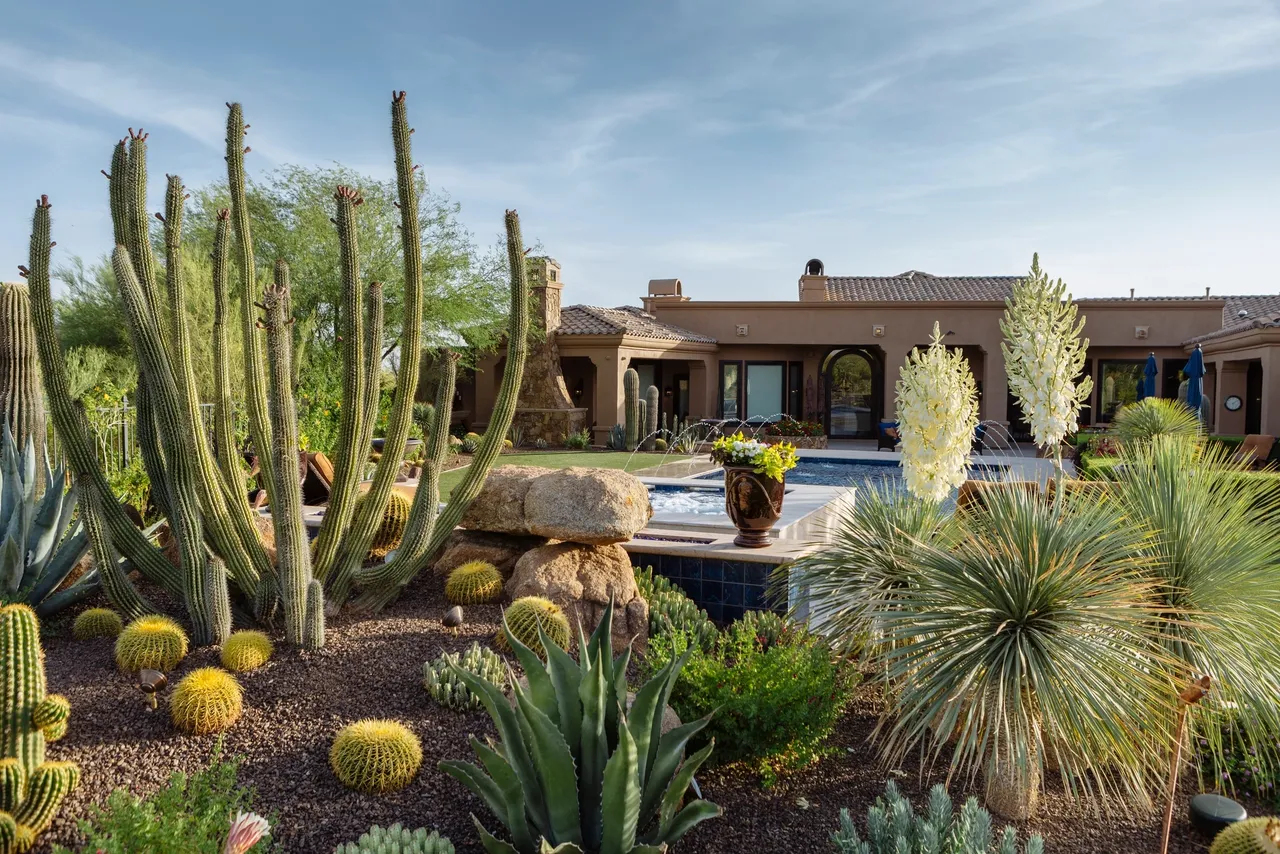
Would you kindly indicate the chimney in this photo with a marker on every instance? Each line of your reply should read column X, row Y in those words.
column 813, row 283
column 1131, row 290
column 1206, row 291
column 662, row 291
column 546, row 284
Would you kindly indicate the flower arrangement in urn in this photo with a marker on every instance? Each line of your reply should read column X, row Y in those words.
column 754, row 483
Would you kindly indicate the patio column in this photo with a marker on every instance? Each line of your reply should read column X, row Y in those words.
column 1270, row 391
column 894, row 359
column 703, row 386
column 609, row 403
column 995, row 388
column 487, row 377
column 1231, row 381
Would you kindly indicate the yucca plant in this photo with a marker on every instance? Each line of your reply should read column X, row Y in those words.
column 847, row 587
column 1032, row 639
column 41, row 545
column 1214, row 561
column 576, row 771
column 1154, row 416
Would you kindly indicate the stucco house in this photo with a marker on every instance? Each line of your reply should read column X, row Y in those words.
column 833, row 353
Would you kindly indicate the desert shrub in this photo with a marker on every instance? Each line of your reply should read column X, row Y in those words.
column 190, row 815
column 579, row 441
column 775, row 706
column 1240, row 768
column 894, row 828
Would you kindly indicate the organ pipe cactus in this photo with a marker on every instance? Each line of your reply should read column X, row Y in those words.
column 21, row 399
column 31, row 788
column 575, row 768
column 199, row 487
column 40, row 544
column 651, row 407
column 631, row 406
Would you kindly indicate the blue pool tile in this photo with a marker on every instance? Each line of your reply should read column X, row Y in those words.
column 753, row 597
column 712, row 592
column 712, row 570
column 692, row 567
column 692, row 588
column 756, row 573
column 733, row 594
column 734, row 572
column 729, row 613
column 716, row 611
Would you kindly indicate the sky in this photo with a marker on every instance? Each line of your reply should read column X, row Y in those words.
column 1132, row 143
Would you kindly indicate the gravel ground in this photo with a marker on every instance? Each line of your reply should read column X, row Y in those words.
column 371, row 667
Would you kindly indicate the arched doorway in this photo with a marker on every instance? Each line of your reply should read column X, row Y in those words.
column 854, row 380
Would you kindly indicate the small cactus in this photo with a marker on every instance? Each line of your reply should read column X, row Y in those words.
column 524, row 618
column 391, row 529
column 397, row 840
column 246, row 651
column 375, row 756
column 444, row 686
column 207, row 700
column 1251, row 836
column 475, row 582
column 631, row 397
column 151, row 643
column 660, row 445
column 97, row 623
column 651, row 407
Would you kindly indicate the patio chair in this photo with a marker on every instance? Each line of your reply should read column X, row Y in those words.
column 887, row 436
column 1255, row 450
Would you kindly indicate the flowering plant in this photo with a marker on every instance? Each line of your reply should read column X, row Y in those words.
column 771, row 460
column 1043, row 354
column 937, row 415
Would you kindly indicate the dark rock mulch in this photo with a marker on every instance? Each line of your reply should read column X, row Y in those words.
column 372, row 667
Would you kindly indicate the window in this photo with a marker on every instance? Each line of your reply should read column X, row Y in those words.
column 1117, row 385
column 766, row 382
column 729, row 374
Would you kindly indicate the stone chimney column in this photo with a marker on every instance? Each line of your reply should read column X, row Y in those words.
column 544, row 280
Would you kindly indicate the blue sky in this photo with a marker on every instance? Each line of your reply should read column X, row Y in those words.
column 1133, row 143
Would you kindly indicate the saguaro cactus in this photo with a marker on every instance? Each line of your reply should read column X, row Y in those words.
column 631, row 406
column 31, row 789
column 651, row 407
column 21, row 398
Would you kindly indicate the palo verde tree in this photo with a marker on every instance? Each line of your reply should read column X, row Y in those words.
column 196, row 479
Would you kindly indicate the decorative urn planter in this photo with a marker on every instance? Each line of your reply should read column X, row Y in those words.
column 753, row 502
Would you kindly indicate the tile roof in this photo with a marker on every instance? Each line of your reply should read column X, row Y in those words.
column 916, row 286
column 629, row 320
column 1262, row 311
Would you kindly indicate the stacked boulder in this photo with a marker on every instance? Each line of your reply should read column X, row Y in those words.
column 555, row 533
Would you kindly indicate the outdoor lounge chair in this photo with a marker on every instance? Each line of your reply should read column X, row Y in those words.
column 887, row 436
column 1254, row 450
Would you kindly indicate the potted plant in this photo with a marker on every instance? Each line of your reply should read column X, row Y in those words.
column 754, row 482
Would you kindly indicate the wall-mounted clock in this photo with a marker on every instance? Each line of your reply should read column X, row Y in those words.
column 1233, row 403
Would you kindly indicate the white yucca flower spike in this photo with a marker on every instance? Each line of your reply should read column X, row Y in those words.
column 1043, row 355
column 937, row 416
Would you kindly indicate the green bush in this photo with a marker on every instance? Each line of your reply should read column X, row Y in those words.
column 775, row 705
column 191, row 815
column 579, row 441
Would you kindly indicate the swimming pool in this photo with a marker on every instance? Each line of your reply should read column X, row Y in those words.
column 825, row 471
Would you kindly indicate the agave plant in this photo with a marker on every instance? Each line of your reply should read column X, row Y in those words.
column 1154, row 416
column 1031, row 642
column 41, row 543
column 577, row 772
column 847, row 587
column 1215, row 562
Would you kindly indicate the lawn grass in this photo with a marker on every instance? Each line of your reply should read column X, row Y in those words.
column 565, row 459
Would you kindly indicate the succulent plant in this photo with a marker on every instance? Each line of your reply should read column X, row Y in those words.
column 528, row 618
column 246, row 650
column 207, row 700
column 469, row 445
column 553, row 776
column 475, row 582
column 41, row 543
column 391, row 528
column 660, row 444
column 96, row 623
column 540, row 443
column 1251, row 836
column 631, row 408
column 397, row 840
column 31, row 789
column 473, row 436
column 671, row 610
column 769, row 628
column 894, row 828
column 652, row 398
column 617, row 440
column 153, row 643
column 375, row 756
column 442, row 683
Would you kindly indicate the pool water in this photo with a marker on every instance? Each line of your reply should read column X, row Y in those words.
column 695, row 500
column 818, row 471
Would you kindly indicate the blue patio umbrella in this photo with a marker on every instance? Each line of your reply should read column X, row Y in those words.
column 1147, row 388
column 1195, row 379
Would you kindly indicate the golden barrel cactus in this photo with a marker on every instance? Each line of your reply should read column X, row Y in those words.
column 206, row 700
column 529, row 613
column 475, row 582
column 375, row 756
column 97, row 623
column 151, row 643
column 246, row 650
